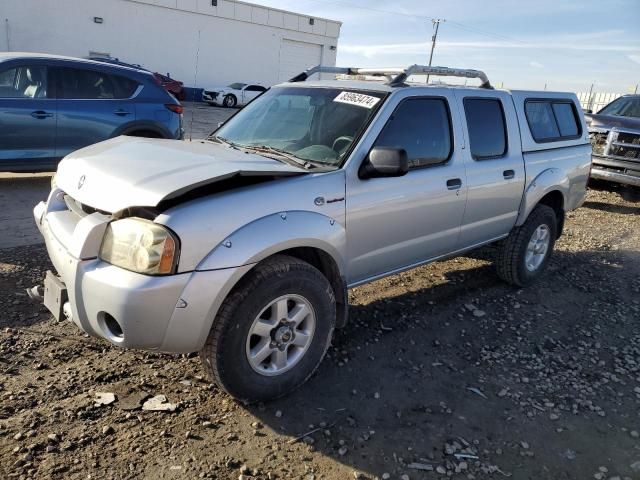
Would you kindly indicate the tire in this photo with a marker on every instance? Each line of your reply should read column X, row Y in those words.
column 226, row 354
column 512, row 261
column 230, row 101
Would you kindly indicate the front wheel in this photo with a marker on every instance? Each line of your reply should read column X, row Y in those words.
column 524, row 254
column 229, row 101
column 272, row 331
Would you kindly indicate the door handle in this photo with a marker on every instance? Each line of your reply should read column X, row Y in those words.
column 41, row 114
column 121, row 112
column 508, row 174
column 454, row 183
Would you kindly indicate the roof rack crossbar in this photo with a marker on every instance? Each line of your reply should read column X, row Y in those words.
column 401, row 74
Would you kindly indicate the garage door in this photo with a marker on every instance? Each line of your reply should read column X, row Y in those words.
column 296, row 57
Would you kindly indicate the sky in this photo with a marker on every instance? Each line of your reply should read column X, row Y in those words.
column 563, row 44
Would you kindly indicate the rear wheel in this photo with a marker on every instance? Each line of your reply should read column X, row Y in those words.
column 272, row 331
column 524, row 254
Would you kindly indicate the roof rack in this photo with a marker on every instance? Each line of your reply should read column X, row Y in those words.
column 398, row 76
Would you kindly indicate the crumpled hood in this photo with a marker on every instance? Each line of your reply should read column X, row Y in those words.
column 141, row 172
column 609, row 121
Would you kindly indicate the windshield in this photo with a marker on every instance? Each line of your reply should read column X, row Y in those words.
column 318, row 125
column 623, row 107
column 237, row 86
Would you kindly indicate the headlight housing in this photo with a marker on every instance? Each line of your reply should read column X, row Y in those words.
column 141, row 246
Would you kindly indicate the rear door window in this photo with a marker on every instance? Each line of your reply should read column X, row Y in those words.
column 77, row 83
column 421, row 126
column 486, row 126
column 566, row 119
column 552, row 120
column 28, row 81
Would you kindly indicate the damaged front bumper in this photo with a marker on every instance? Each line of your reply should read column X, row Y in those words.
column 166, row 313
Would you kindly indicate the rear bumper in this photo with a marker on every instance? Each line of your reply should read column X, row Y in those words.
column 170, row 313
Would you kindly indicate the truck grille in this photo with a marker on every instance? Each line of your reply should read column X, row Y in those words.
column 628, row 137
column 78, row 208
column 626, row 152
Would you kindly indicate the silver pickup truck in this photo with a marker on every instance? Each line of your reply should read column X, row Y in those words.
column 242, row 246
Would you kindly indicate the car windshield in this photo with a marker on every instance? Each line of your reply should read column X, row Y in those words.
column 237, row 86
column 316, row 125
column 623, row 107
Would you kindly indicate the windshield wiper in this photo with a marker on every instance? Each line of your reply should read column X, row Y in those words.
column 281, row 153
column 224, row 141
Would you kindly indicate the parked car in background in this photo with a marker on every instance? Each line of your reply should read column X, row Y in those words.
column 52, row 105
column 171, row 85
column 243, row 246
column 615, row 138
column 233, row 95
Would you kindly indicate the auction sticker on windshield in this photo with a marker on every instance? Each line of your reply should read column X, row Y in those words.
column 359, row 99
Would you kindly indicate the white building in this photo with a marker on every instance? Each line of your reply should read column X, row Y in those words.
column 230, row 41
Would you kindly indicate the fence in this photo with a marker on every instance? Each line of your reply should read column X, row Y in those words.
column 596, row 100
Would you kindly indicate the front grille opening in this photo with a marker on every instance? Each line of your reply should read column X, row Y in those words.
column 599, row 142
column 111, row 327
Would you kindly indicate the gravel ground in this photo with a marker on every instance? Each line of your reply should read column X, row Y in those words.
column 444, row 371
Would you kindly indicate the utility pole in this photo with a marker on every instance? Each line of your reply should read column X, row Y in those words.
column 436, row 25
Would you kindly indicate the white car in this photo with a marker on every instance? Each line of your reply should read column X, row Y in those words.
column 234, row 95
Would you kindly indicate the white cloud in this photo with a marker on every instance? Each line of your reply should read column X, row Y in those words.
column 634, row 58
column 536, row 64
column 560, row 43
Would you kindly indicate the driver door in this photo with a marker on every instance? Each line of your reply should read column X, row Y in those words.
column 394, row 223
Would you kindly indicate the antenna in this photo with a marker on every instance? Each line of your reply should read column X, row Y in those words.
column 195, row 85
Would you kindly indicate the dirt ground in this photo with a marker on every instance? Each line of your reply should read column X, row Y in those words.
column 443, row 371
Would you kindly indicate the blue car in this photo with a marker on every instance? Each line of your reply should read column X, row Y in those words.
column 52, row 105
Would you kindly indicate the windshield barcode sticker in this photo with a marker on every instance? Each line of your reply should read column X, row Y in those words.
column 359, row 99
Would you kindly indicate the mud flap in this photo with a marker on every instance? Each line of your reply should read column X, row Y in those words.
column 55, row 295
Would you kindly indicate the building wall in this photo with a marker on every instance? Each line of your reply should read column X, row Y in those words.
column 233, row 41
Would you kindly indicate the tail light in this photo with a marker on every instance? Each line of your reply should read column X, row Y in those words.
column 175, row 108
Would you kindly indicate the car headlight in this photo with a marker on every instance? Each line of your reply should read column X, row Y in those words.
column 140, row 246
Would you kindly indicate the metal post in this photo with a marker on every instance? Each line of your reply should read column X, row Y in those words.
column 589, row 103
column 436, row 24
column 6, row 23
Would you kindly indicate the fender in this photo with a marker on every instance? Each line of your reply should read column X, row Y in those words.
column 547, row 181
column 141, row 125
column 277, row 232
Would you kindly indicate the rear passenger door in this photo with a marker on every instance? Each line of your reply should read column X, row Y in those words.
column 494, row 164
column 92, row 106
column 397, row 222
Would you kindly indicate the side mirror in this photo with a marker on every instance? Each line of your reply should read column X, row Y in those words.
column 385, row 162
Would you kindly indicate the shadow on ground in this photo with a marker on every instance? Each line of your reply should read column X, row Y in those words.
column 386, row 398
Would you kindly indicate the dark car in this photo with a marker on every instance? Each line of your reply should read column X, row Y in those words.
column 171, row 85
column 615, row 137
column 52, row 105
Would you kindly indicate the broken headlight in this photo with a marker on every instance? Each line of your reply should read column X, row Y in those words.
column 140, row 246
